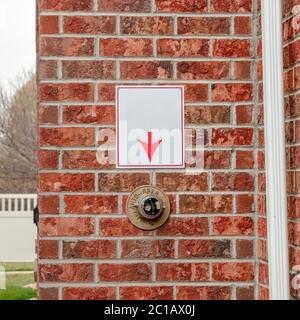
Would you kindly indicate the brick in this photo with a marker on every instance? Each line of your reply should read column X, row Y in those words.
column 294, row 233
column 244, row 249
column 146, row 293
column 244, row 203
column 131, row 70
column 124, row 6
column 232, row 226
column 292, row 203
column 47, row 70
column 203, row 293
column 241, row 6
column 66, row 227
column 263, row 274
column 295, row 105
column 218, row 159
column 69, row 137
column 184, row 227
column 260, row 115
column 91, row 204
column 296, row 79
column 89, row 115
column 94, row 249
column 106, row 139
column 48, row 294
column 245, row 293
column 47, row 159
column 262, row 227
column 93, row 293
column 243, row 25
column 263, row 293
column 48, row 25
column 204, row 249
column 294, row 256
column 119, row 228
column 296, row 157
column 290, row 132
column 232, row 92
column 161, row 249
column 146, row 25
column 259, row 48
column 207, row 115
column 89, row 25
column 113, row 47
column 66, row 5
column 261, row 137
column 125, row 272
column 66, row 47
column 242, row 70
column 59, row 182
column 203, row 70
column 122, row 182
column 84, row 160
column 234, row 48
column 182, row 182
column 232, row 137
column 244, row 159
column 293, row 53
column 200, row 25
column 232, row 182
column 205, row 203
column 181, row 6
column 48, row 115
column 244, row 114
column 66, row 272
column 89, row 69
column 288, row 81
column 262, row 182
column 107, row 92
column 233, row 271
column 72, row 92
column 260, row 70
column 262, row 249
column 182, row 272
column 196, row 92
column 182, row 47
column 48, row 204
column 48, row 249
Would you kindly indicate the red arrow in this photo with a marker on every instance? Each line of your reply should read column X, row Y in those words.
column 150, row 147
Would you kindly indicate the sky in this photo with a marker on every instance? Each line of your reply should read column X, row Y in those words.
column 17, row 35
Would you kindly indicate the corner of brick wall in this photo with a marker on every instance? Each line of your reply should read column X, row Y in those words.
column 291, row 51
column 291, row 47
column 208, row 248
column 262, row 246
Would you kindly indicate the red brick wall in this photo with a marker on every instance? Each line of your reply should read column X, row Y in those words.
column 87, row 247
column 291, row 29
column 262, row 254
column 291, row 47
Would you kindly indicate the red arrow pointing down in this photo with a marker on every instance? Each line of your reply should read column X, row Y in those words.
column 150, row 147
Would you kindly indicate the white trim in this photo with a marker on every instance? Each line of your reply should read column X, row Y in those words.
column 275, row 150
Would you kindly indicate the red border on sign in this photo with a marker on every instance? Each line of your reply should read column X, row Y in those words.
column 179, row 166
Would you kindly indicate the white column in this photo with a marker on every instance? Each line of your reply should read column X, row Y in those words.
column 275, row 150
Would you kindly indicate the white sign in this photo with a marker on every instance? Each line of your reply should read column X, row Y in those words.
column 150, row 126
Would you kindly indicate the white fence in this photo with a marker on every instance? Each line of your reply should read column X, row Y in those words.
column 17, row 230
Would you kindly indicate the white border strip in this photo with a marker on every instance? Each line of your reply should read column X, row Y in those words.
column 275, row 150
